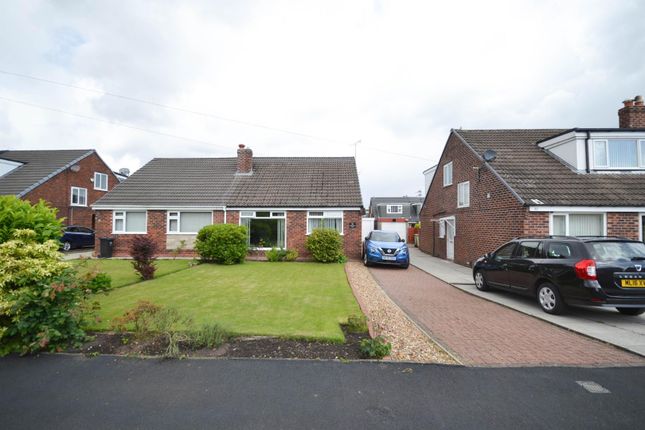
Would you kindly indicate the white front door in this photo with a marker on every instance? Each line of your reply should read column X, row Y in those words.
column 450, row 238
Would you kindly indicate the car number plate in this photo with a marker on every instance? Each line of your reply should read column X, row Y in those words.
column 632, row 283
column 389, row 258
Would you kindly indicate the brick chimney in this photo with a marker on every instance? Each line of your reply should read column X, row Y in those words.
column 632, row 115
column 244, row 161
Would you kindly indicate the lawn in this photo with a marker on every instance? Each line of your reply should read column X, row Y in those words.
column 291, row 300
column 122, row 272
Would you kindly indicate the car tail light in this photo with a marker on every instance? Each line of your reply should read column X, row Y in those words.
column 586, row 269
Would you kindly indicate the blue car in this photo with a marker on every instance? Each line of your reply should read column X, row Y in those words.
column 76, row 236
column 385, row 247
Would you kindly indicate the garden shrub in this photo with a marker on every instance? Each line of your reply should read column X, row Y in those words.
column 209, row 335
column 281, row 254
column 357, row 324
column 140, row 318
column 375, row 348
column 222, row 243
column 142, row 251
column 18, row 214
column 41, row 301
column 326, row 246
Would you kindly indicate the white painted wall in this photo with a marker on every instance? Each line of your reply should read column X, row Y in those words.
column 367, row 225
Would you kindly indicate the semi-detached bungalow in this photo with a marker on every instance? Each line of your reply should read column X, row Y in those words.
column 493, row 185
column 279, row 199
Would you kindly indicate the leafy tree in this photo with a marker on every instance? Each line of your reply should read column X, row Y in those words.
column 19, row 214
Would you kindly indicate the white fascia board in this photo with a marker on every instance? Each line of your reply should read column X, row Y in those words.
column 155, row 208
column 307, row 208
column 602, row 209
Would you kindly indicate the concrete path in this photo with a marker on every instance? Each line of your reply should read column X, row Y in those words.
column 606, row 325
column 483, row 333
column 78, row 253
column 73, row 392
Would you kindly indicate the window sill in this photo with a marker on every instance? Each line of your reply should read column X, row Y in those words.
column 181, row 233
column 129, row 232
column 100, row 189
column 78, row 206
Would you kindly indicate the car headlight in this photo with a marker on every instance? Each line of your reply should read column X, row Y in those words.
column 372, row 249
column 403, row 250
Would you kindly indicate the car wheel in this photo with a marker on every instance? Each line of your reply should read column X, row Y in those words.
column 365, row 262
column 549, row 299
column 480, row 281
column 631, row 311
column 67, row 246
column 406, row 265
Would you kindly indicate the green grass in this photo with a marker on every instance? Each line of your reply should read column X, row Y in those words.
column 122, row 272
column 291, row 300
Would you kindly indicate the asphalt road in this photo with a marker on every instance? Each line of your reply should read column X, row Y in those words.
column 73, row 392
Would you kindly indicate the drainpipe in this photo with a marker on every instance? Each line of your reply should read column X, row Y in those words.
column 224, row 214
column 587, row 151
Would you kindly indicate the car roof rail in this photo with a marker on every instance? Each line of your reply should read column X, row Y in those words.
column 604, row 237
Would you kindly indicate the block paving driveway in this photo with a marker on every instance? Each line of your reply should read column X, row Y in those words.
column 482, row 333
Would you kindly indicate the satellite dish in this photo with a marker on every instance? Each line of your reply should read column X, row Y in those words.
column 489, row 155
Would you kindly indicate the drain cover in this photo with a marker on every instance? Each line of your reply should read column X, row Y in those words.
column 593, row 387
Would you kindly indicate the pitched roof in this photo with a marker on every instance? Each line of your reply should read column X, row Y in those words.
column 275, row 182
column 38, row 166
column 534, row 174
column 378, row 207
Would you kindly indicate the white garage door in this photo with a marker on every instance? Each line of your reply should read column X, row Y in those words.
column 399, row 227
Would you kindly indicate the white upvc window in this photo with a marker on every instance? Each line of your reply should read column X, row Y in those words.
column 100, row 181
column 265, row 228
column 188, row 222
column 578, row 224
column 79, row 196
column 394, row 209
column 325, row 219
column 447, row 174
column 463, row 194
column 619, row 154
column 129, row 222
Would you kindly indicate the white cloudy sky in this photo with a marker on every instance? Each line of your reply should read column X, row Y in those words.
column 396, row 75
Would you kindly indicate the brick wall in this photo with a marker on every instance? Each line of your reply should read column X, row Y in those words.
column 57, row 190
column 296, row 232
column 623, row 224
column 493, row 217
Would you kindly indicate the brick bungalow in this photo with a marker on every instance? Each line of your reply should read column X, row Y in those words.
column 493, row 185
column 69, row 180
column 280, row 199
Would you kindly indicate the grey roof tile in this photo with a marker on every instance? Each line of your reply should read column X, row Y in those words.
column 38, row 166
column 534, row 174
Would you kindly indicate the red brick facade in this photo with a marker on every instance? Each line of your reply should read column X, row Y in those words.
column 57, row 190
column 494, row 215
column 296, row 232
column 632, row 115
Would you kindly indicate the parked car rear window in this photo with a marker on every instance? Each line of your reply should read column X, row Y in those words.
column 528, row 250
column 559, row 250
column 617, row 250
column 384, row 236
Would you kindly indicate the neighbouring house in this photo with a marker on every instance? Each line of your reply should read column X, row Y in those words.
column 493, row 185
column 397, row 214
column 279, row 199
column 69, row 180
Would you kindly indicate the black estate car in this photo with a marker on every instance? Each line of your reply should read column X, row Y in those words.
column 563, row 270
column 75, row 236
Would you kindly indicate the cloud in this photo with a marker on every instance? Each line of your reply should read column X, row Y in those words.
column 395, row 74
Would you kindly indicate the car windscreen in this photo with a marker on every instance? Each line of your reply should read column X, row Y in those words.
column 607, row 250
column 384, row 236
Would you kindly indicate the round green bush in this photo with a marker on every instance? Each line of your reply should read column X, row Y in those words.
column 326, row 245
column 18, row 214
column 222, row 243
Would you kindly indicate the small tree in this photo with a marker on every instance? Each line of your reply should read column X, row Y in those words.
column 142, row 251
column 222, row 243
column 19, row 214
column 326, row 245
column 41, row 303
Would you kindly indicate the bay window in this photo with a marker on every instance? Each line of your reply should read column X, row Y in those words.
column 265, row 229
column 188, row 222
column 325, row 219
column 578, row 224
column 129, row 222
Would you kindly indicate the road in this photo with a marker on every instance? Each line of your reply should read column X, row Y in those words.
column 74, row 392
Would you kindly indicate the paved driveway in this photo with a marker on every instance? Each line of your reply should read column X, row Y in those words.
column 483, row 333
column 73, row 392
column 606, row 325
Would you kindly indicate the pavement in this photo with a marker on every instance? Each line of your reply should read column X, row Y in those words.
column 482, row 333
column 78, row 253
column 606, row 325
column 75, row 392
